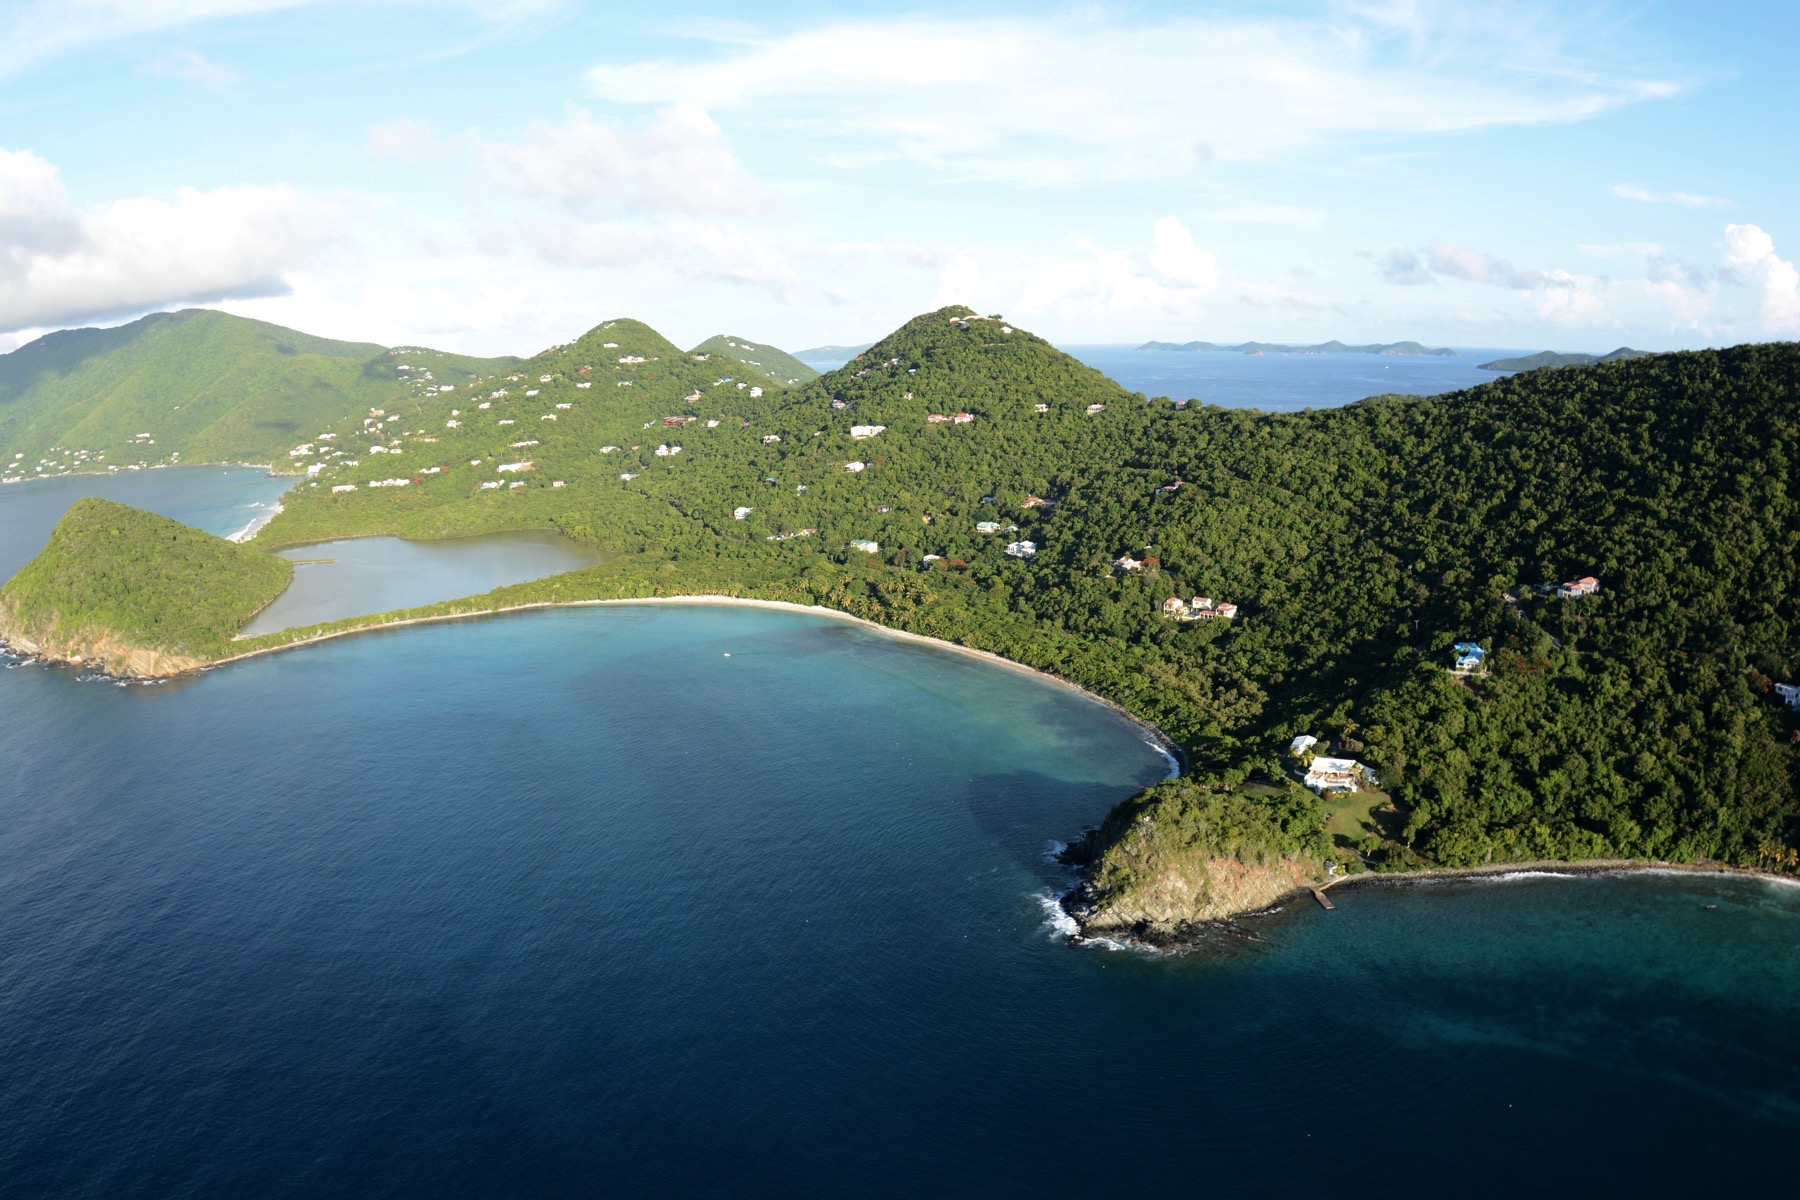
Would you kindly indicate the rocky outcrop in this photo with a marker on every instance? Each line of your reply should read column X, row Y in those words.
column 94, row 650
column 1184, row 893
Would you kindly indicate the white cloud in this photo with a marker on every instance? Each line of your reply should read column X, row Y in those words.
column 32, row 31
column 1626, row 191
column 1099, row 289
column 680, row 163
column 1749, row 248
column 190, row 66
column 1081, row 96
column 1448, row 260
column 60, row 264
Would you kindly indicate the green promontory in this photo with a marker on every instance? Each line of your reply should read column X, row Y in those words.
column 135, row 593
column 771, row 365
column 1550, row 358
column 1182, row 853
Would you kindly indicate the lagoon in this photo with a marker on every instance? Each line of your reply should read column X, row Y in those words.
column 359, row 576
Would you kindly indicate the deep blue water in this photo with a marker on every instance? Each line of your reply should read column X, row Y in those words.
column 1287, row 382
column 572, row 903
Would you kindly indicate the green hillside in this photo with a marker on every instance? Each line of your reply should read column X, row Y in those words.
column 196, row 386
column 774, row 366
column 115, row 579
column 1358, row 543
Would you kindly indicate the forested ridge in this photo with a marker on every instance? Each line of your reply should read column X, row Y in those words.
column 1359, row 543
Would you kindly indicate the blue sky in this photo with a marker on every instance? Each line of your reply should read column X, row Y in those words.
column 497, row 175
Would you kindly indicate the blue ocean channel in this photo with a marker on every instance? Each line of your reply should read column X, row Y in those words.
column 643, row 901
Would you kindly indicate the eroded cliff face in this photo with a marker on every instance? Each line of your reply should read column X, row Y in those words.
column 1166, row 897
column 89, row 648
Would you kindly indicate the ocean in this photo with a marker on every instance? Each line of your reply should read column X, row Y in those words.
column 1279, row 382
column 721, row 901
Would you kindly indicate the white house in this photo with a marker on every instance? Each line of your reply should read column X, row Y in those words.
column 855, row 467
column 344, row 487
column 1302, row 744
column 741, row 511
column 1021, row 549
column 769, row 439
column 1587, row 585
column 518, row 466
column 1094, row 408
column 860, row 432
column 1335, row 775
column 1789, row 692
column 867, row 547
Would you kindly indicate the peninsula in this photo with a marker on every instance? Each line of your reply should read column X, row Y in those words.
column 1541, row 619
column 1550, row 358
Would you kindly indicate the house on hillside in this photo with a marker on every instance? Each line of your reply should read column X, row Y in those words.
column 740, row 512
column 1335, row 775
column 1469, row 656
column 855, row 468
column 864, row 432
column 867, row 547
column 1587, row 585
column 1127, row 563
column 1043, row 408
column 1038, row 502
column 1021, row 549
column 1094, row 408
column 1789, row 692
column 1302, row 745
column 987, row 527
column 1175, row 606
column 962, row 418
column 937, row 419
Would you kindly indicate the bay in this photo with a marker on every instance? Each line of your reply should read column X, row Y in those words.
column 573, row 902
column 222, row 500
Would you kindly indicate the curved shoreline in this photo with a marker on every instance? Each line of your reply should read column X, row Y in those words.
column 1162, row 741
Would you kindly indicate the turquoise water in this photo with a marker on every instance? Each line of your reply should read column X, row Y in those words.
column 653, row 901
column 374, row 575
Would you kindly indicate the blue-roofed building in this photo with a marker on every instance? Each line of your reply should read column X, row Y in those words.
column 1469, row 656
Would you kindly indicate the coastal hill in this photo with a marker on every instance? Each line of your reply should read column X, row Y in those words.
column 1550, row 358
column 771, row 365
column 198, row 385
column 1331, row 347
column 967, row 481
column 135, row 593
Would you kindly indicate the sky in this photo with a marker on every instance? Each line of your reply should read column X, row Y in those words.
column 496, row 176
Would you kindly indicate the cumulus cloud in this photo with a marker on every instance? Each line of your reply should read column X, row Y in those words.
column 1447, row 260
column 60, row 264
column 1097, row 288
column 680, row 163
column 1750, row 249
column 1626, row 191
column 1081, row 95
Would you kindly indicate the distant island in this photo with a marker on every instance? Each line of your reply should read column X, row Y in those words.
column 1331, row 347
column 1548, row 618
column 1549, row 358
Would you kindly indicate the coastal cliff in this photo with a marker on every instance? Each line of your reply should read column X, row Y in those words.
column 1183, row 854
column 135, row 594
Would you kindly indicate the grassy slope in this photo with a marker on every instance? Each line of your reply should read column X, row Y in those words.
column 777, row 366
column 211, row 386
column 117, row 573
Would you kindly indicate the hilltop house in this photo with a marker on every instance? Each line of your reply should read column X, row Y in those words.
column 1789, row 692
column 1587, row 585
column 1469, row 656
column 1335, row 775
column 1021, row 549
